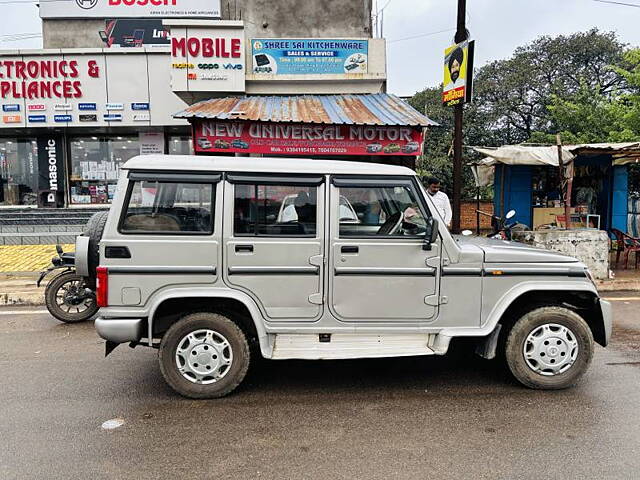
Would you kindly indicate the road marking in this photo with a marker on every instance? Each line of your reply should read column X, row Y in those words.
column 22, row 312
column 620, row 299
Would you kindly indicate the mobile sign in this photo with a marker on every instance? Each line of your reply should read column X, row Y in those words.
column 288, row 56
column 458, row 69
column 130, row 9
column 305, row 139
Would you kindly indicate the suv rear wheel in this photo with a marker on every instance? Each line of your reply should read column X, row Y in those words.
column 204, row 355
column 549, row 348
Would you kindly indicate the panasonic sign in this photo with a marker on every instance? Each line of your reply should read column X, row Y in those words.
column 50, row 170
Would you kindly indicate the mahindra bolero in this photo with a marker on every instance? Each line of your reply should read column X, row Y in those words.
column 214, row 260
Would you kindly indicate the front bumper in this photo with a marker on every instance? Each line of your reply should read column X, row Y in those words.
column 120, row 330
column 607, row 320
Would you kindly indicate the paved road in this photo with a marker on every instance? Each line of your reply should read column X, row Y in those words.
column 453, row 417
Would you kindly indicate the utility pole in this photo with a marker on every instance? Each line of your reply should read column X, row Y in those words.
column 461, row 35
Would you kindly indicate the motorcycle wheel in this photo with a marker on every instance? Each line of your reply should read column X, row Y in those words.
column 64, row 300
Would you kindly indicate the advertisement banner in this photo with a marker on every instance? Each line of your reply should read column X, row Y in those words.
column 289, row 56
column 151, row 143
column 135, row 33
column 207, row 59
column 458, row 69
column 305, row 139
column 50, row 171
column 130, row 9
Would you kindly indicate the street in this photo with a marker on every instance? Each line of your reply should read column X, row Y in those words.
column 427, row 417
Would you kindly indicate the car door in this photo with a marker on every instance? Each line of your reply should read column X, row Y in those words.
column 273, row 242
column 379, row 269
column 167, row 233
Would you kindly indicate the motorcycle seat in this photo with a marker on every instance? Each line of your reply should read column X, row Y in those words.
column 68, row 258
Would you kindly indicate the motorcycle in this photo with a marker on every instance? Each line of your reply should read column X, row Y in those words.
column 501, row 227
column 68, row 296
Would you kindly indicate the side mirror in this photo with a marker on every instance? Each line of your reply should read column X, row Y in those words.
column 430, row 233
column 510, row 214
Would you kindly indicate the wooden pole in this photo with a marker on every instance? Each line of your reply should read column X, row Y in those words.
column 563, row 190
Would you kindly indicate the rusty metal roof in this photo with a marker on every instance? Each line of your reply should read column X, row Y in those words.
column 371, row 109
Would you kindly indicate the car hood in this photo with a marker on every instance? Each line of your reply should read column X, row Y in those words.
column 502, row 251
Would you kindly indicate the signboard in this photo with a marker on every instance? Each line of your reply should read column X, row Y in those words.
column 112, row 117
column 12, row 119
column 288, row 56
column 36, row 79
column 13, row 107
column 50, row 171
column 458, row 70
column 151, row 143
column 130, row 9
column 207, row 59
column 85, row 81
column 305, row 139
column 62, row 118
column 37, row 118
column 135, row 33
column 88, row 117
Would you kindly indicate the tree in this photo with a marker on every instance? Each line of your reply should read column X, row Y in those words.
column 568, row 84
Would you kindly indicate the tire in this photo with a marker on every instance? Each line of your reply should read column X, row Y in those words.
column 199, row 347
column 528, row 337
column 94, row 230
column 59, row 311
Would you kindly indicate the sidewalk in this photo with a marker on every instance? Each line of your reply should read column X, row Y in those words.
column 27, row 258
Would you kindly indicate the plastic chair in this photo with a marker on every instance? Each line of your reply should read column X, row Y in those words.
column 627, row 244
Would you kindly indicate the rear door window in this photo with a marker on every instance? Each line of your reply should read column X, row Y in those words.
column 168, row 208
column 275, row 210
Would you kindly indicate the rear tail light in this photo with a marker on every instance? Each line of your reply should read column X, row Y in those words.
column 102, row 286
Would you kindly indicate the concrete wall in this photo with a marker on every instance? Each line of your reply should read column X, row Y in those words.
column 63, row 33
column 263, row 18
column 589, row 246
column 301, row 18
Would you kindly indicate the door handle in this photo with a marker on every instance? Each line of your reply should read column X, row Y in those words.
column 349, row 249
column 244, row 248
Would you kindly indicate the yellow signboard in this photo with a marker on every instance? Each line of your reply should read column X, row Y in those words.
column 458, row 66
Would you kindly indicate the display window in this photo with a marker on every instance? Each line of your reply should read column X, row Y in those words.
column 18, row 171
column 180, row 145
column 95, row 166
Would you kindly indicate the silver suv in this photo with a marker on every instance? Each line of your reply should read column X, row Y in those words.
column 200, row 259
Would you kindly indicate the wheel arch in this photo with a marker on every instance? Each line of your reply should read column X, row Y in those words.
column 238, row 307
column 585, row 302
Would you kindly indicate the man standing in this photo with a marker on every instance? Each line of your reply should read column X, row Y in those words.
column 440, row 200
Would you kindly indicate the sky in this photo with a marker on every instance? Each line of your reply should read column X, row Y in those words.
column 498, row 26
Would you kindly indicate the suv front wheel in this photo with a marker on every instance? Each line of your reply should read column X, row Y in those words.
column 204, row 355
column 549, row 348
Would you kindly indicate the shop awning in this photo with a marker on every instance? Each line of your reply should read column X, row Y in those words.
column 371, row 109
column 524, row 155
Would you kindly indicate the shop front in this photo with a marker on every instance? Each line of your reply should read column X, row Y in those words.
column 595, row 186
column 70, row 119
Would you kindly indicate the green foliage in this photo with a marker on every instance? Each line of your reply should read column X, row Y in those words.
column 583, row 86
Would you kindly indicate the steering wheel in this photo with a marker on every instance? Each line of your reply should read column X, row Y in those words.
column 392, row 224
